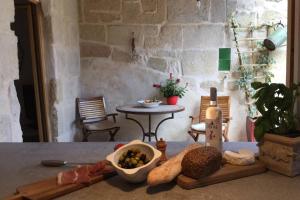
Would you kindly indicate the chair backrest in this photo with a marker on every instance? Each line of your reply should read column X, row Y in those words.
column 91, row 109
column 223, row 103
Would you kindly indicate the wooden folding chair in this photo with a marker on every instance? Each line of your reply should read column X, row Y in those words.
column 198, row 122
column 93, row 117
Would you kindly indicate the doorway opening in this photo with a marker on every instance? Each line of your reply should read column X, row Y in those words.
column 30, row 85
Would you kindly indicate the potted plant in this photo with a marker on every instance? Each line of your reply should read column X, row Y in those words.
column 275, row 128
column 251, row 68
column 172, row 90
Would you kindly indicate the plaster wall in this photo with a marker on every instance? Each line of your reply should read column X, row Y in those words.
column 10, row 130
column 63, row 65
column 171, row 36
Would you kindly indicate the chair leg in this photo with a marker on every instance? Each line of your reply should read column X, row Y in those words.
column 85, row 137
column 195, row 137
column 225, row 134
column 112, row 134
column 225, row 137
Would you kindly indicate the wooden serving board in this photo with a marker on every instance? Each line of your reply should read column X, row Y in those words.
column 226, row 173
column 48, row 188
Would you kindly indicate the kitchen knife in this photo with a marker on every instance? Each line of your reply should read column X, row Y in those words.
column 61, row 163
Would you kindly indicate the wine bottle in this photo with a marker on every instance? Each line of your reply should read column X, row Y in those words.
column 213, row 122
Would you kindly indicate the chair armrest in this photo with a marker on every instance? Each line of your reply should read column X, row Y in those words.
column 193, row 119
column 81, row 119
column 113, row 115
column 227, row 120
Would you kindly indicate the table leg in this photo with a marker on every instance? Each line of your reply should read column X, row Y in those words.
column 155, row 133
column 149, row 134
column 136, row 121
column 150, row 129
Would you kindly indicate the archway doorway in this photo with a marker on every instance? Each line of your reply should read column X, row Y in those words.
column 30, row 86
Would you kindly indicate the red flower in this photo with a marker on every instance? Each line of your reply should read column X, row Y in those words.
column 178, row 80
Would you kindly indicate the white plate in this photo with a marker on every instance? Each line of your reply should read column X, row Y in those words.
column 149, row 105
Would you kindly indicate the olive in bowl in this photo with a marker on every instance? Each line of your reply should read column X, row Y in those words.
column 133, row 170
column 132, row 158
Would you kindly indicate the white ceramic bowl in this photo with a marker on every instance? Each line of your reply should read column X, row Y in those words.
column 149, row 105
column 138, row 174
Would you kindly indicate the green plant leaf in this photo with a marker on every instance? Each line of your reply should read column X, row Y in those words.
column 259, row 132
column 256, row 85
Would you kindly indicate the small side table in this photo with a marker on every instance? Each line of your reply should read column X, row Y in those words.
column 160, row 110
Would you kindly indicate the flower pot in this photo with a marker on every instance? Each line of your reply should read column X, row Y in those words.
column 250, row 126
column 172, row 100
column 281, row 154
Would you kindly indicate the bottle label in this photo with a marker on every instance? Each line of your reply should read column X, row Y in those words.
column 213, row 133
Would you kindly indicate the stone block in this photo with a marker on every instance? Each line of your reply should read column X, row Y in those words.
column 121, row 56
column 88, row 49
column 200, row 63
column 272, row 16
column 218, row 11
column 92, row 32
column 230, row 7
column 101, row 11
column 246, row 5
column 121, row 35
column 200, row 36
column 92, row 17
column 174, row 67
column 80, row 9
column 186, row 11
column 132, row 13
column 170, row 37
column 102, row 5
column 169, row 53
column 208, row 84
column 151, row 31
column 159, row 64
column 246, row 18
column 149, row 5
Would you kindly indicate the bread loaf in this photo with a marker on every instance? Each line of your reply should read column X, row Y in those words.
column 201, row 162
column 170, row 169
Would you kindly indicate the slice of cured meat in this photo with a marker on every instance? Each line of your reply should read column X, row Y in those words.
column 67, row 177
column 83, row 174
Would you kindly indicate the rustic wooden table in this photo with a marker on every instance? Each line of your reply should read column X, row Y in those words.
column 139, row 110
column 19, row 165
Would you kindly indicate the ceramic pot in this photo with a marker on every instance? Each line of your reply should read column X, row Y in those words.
column 172, row 100
column 138, row 174
column 250, row 126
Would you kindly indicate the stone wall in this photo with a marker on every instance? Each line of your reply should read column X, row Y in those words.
column 170, row 36
column 63, row 65
column 10, row 130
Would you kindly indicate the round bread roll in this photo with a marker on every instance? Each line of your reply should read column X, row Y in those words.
column 201, row 162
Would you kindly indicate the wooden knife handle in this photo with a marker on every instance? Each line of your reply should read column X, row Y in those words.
column 54, row 163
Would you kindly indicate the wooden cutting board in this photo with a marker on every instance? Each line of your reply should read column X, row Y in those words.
column 226, row 173
column 48, row 189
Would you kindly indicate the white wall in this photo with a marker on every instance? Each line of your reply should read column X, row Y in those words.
column 10, row 130
column 63, row 65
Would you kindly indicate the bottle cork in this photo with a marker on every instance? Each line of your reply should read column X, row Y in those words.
column 213, row 94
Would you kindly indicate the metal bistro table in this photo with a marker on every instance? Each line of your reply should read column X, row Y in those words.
column 139, row 110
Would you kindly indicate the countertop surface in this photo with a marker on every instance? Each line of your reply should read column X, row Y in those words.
column 19, row 165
